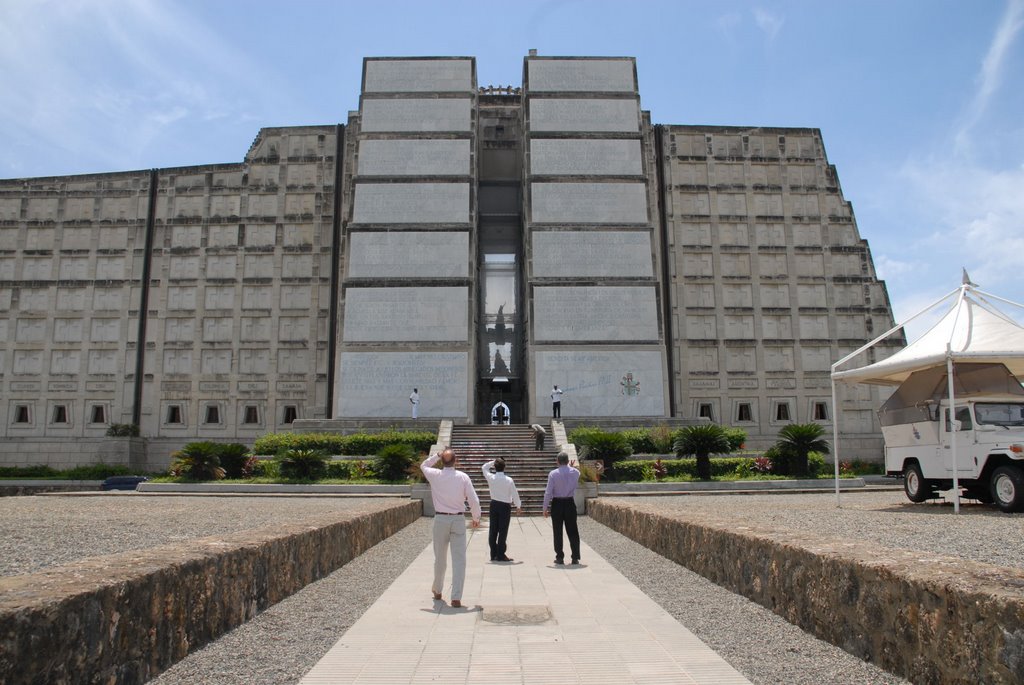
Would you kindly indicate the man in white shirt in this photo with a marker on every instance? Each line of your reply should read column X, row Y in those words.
column 556, row 403
column 503, row 497
column 450, row 489
column 414, row 399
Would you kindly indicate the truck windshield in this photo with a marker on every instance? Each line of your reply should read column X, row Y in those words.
column 999, row 413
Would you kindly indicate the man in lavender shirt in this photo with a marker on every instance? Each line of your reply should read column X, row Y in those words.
column 558, row 495
column 450, row 489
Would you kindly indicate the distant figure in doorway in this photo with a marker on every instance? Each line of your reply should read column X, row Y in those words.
column 450, row 490
column 556, row 403
column 538, row 435
column 414, row 399
column 504, row 496
column 558, row 495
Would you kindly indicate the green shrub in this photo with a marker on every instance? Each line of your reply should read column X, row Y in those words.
column 393, row 462
column 608, row 447
column 797, row 441
column 197, row 461
column 265, row 468
column 236, row 460
column 702, row 441
column 662, row 439
column 579, row 436
column 633, row 471
column 639, row 440
column 358, row 444
column 737, row 438
column 38, row 471
column 302, row 464
column 97, row 472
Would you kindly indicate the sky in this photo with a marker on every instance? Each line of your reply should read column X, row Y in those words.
column 920, row 102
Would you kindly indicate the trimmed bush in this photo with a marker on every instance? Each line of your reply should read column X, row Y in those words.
column 28, row 472
column 639, row 440
column 97, row 472
column 393, row 462
column 357, row 445
column 641, row 470
column 737, row 438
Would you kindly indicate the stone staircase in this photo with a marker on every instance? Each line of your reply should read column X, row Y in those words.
column 476, row 445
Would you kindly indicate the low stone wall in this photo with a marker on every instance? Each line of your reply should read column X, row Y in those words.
column 124, row 618
column 928, row 618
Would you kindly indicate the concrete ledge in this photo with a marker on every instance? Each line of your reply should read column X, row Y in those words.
column 124, row 618
column 271, row 489
column 925, row 617
column 728, row 486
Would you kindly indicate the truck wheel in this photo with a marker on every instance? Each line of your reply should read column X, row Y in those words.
column 1008, row 488
column 914, row 484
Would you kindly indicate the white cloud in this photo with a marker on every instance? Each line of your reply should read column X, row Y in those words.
column 770, row 24
column 990, row 76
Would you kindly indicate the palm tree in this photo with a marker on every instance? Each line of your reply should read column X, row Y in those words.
column 702, row 441
column 800, row 439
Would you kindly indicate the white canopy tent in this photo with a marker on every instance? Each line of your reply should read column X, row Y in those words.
column 973, row 331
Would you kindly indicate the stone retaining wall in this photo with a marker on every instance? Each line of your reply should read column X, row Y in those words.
column 36, row 487
column 928, row 618
column 124, row 618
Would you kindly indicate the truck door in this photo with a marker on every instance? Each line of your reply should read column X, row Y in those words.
column 964, row 444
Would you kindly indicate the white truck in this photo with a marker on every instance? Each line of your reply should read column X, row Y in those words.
column 987, row 428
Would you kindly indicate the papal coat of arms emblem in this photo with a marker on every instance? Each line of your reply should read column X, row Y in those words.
column 630, row 387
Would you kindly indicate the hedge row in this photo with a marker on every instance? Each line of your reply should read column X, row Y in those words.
column 359, row 444
column 636, row 470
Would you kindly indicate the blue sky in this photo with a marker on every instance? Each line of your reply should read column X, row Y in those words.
column 920, row 102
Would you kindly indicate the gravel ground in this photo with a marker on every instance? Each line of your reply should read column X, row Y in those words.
column 979, row 532
column 41, row 531
column 283, row 643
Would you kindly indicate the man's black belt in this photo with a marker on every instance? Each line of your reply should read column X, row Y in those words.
column 448, row 513
column 563, row 499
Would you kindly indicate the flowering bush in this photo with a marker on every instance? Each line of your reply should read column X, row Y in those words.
column 761, row 465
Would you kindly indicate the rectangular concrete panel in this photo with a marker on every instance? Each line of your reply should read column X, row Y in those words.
column 587, row 254
column 411, row 203
column 598, row 116
column 406, row 314
column 414, row 158
column 378, row 384
column 595, row 313
column 409, row 254
column 572, row 157
column 418, row 75
column 590, row 75
column 601, row 382
column 589, row 203
column 416, row 115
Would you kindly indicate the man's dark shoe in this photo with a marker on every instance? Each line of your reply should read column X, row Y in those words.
column 575, row 562
column 559, row 562
column 504, row 559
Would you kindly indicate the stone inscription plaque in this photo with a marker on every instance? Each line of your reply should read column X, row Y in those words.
column 418, row 75
column 610, row 116
column 568, row 254
column 412, row 254
column 588, row 203
column 568, row 157
column 595, row 313
column 406, row 314
column 609, row 75
column 414, row 158
column 411, row 203
column 416, row 116
column 378, row 384
column 601, row 383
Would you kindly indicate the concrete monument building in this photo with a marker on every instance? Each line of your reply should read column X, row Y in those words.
column 479, row 244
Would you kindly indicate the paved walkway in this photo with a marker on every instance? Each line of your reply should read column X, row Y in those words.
column 525, row 622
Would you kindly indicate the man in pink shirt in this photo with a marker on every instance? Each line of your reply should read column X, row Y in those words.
column 450, row 489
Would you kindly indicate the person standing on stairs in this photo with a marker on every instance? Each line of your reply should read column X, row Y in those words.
column 504, row 496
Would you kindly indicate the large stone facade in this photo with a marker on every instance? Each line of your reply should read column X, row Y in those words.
column 478, row 244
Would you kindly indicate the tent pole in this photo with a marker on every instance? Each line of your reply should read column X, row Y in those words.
column 835, row 439
column 952, row 427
